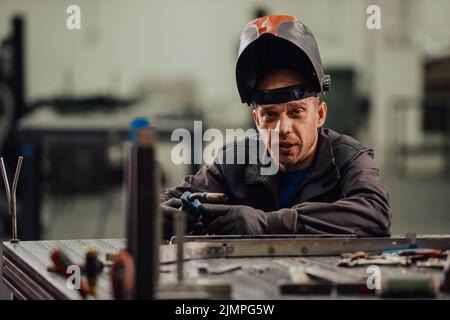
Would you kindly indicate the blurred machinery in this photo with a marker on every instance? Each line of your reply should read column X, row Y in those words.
column 434, row 111
column 342, row 113
column 12, row 96
column 71, row 144
column 12, row 83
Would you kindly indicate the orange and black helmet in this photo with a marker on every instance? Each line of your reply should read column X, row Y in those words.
column 274, row 42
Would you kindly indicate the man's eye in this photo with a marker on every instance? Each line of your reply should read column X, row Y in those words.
column 269, row 114
column 297, row 112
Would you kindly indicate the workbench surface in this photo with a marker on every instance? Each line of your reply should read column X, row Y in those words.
column 25, row 271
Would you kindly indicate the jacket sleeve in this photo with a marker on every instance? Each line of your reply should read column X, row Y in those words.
column 363, row 208
column 208, row 179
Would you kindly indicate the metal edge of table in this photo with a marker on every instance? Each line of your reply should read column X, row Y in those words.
column 33, row 284
column 304, row 247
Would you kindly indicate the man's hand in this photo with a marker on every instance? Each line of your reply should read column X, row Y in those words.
column 245, row 220
column 170, row 209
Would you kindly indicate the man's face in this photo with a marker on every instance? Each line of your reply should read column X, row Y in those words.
column 296, row 121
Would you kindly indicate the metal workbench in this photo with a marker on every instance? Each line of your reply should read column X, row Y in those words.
column 258, row 277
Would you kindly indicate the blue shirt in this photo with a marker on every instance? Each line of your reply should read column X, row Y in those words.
column 289, row 182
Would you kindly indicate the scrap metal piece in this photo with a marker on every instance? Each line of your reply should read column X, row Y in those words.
column 432, row 263
column 298, row 274
column 219, row 270
column 354, row 255
column 383, row 259
column 414, row 252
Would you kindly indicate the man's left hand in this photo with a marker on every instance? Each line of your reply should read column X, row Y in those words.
column 245, row 220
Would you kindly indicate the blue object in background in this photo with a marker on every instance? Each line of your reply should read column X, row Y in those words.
column 137, row 123
column 27, row 150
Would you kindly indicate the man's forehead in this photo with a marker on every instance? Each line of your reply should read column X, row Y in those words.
column 290, row 104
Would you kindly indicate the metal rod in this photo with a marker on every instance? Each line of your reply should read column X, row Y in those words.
column 11, row 195
column 16, row 178
column 5, row 180
column 13, row 202
column 179, row 231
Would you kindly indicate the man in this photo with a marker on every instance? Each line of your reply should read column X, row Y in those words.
column 327, row 183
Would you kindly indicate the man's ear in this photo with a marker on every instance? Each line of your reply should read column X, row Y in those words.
column 322, row 113
column 255, row 116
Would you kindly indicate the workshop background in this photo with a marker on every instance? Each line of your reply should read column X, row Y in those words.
column 67, row 97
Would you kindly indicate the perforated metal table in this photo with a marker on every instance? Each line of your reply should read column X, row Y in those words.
column 258, row 277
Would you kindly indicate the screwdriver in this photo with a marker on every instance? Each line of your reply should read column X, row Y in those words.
column 123, row 276
column 93, row 267
column 61, row 263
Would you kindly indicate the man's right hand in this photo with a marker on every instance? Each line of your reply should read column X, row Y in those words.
column 169, row 210
column 170, row 207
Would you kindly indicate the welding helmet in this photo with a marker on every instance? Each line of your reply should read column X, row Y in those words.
column 273, row 42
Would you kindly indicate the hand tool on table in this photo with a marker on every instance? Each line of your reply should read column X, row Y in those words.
column 206, row 288
column 417, row 254
column 11, row 195
column 218, row 270
column 360, row 259
column 123, row 276
column 423, row 257
column 61, row 263
column 92, row 268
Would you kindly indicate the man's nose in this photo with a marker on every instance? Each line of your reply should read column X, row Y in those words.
column 285, row 125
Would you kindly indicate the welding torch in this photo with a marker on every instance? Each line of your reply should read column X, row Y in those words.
column 191, row 203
